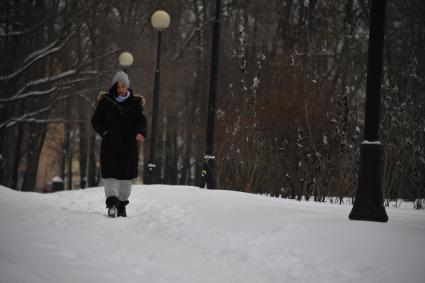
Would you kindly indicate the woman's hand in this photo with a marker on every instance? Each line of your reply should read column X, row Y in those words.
column 140, row 137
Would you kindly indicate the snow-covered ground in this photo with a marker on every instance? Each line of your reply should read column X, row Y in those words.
column 185, row 234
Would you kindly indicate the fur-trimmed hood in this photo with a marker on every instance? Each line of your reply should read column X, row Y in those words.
column 104, row 94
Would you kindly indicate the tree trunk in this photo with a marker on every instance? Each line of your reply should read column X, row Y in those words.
column 67, row 151
column 83, row 137
column 35, row 145
column 8, row 156
column 6, row 147
column 171, row 157
column 92, row 172
column 17, row 159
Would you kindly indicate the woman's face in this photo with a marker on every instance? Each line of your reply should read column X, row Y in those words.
column 121, row 89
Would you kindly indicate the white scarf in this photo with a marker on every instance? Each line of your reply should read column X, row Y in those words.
column 122, row 98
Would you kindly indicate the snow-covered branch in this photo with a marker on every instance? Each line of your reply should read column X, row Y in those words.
column 39, row 93
column 30, row 115
column 190, row 37
column 38, row 55
column 28, row 94
column 42, row 81
column 28, row 30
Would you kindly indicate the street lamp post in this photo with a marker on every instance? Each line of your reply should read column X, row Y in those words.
column 368, row 204
column 160, row 21
column 208, row 176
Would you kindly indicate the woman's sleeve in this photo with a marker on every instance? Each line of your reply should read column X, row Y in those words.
column 98, row 119
column 141, row 120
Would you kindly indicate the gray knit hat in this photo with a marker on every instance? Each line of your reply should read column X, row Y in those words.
column 122, row 77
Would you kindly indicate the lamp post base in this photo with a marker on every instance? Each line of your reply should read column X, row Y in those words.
column 369, row 204
column 208, row 172
column 151, row 173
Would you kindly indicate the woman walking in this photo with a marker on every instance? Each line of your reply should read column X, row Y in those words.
column 120, row 121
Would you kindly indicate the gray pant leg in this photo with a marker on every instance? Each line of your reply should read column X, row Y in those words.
column 111, row 186
column 124, row 189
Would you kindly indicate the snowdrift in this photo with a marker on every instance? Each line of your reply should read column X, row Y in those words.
column 186, row 234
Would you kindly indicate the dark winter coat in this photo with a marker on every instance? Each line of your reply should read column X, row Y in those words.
column 118, row 123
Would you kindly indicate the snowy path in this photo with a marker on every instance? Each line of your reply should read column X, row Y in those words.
column 185, row 234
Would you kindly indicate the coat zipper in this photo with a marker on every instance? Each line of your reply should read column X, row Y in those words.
column 116, row 104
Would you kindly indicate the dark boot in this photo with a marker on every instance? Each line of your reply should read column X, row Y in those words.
column 121, row 208
column 112, row 204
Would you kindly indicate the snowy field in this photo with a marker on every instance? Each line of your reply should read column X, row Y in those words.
column 185, row 234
